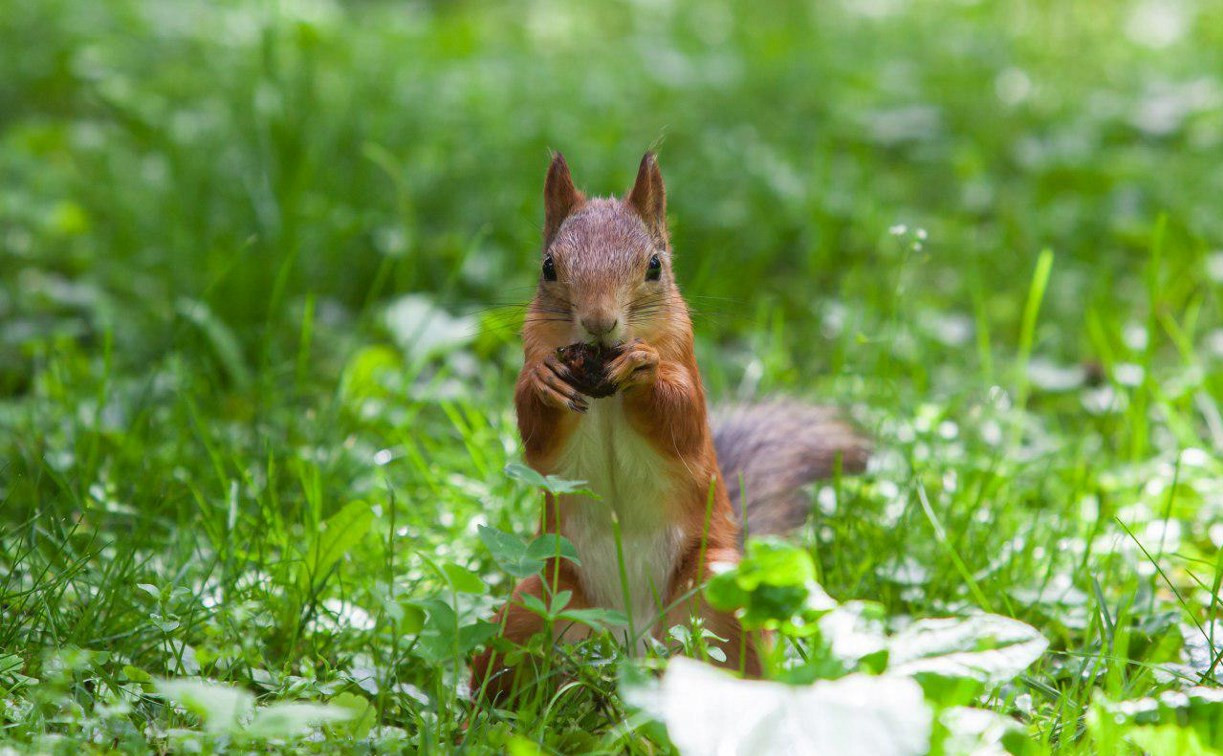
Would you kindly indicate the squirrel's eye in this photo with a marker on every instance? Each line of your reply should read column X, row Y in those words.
column 549, row 269
column 654, row 270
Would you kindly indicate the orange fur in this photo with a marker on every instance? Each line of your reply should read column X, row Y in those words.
column 601, row 250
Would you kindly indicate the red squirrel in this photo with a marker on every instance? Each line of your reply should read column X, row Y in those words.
column 648, row 451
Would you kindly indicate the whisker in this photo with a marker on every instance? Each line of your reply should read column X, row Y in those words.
column 494, row 311
column 656, row 300
column 711, row 298
column 511, row 326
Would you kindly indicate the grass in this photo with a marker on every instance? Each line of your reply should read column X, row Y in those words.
column 261, row 264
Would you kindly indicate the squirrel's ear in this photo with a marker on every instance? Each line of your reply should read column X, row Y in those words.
column 648, row 197
column 561, row 197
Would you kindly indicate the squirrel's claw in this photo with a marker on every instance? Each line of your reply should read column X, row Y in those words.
column 551, row 382
column 637, row 366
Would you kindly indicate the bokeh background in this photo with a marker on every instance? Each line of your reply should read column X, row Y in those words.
column 246, row 155
column 261, row 259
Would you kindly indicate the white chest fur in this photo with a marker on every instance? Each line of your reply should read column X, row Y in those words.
column 632, row 480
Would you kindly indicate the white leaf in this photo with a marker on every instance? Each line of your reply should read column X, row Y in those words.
column 852, row 632
column 292, row 719
column 975, row 731
column 220, row 706
column 983, row 647
column 422, row 329
column 1202, row 646
column 709, row 712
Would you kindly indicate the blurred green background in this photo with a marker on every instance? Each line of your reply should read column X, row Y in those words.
column 259, row 259
column 247, row 155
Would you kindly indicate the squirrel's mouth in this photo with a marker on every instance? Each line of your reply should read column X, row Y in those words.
column 611, row 338
column 606, row 342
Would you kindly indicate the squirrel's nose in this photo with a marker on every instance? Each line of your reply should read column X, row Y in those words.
column 599, row 325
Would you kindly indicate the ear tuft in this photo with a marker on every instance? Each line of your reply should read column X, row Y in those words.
column 561, row 197
column 648, row 197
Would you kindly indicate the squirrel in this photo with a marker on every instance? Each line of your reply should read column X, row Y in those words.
column 666, row 475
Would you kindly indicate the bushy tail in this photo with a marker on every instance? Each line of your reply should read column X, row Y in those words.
column 773, row 449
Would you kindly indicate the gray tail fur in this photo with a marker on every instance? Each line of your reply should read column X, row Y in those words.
column 770, row 451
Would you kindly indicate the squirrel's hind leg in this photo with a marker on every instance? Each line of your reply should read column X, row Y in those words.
column 494, row 680
column 740, row 646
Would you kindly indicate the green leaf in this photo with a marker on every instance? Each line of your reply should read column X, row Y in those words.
column 10, row 663
column 559, row 601
column 462, row 579
column 364, row 715
column 436, row 642
column 476, row 634
column 561, row 486
column 550, row 545
column 219, row 706
column 777, row 563
column 520, row 746
column 724, row 592
column 598, row 619
column 549, row 483
column 135, row 674
column 413, row 619
column 442, row 638
column 774, row 586
column 534, row 603
column 509, row 552
column 337, row 535
column 525, row 474
column 521, row 560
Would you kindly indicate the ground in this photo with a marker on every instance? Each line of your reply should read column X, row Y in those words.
column 261, row 273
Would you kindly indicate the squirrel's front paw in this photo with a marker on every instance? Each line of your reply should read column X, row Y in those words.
column 550, row 379
column 636, row 366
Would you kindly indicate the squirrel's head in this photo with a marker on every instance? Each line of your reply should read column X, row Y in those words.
column 606, row 274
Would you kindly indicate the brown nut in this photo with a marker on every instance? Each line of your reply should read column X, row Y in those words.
column 587, row 365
